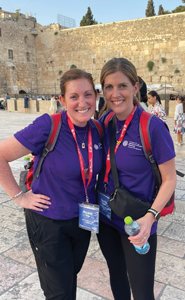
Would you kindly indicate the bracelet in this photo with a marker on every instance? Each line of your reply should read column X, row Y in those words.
column 155, row 213
column 16, row 195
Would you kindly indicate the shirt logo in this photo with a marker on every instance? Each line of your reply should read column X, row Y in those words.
column 99, row 146
column 125, row 143
column 132, row 145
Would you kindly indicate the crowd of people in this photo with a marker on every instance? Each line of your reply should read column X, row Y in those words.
column 64, row 198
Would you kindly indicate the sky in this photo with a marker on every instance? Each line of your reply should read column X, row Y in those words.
column 104, row 11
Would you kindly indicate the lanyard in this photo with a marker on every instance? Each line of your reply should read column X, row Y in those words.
column 90, row 155
column 122, row 134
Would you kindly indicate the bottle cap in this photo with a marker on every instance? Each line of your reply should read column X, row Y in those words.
column 128, row 220
column 26, row 158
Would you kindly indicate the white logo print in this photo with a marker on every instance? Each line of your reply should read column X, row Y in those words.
column 132, row 145
column 125, row 143
column 99, row 146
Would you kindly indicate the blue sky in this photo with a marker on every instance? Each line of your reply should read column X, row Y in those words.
column 104, row 11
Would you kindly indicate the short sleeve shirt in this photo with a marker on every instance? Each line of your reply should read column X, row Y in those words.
column 60, row 177
column 134, row 170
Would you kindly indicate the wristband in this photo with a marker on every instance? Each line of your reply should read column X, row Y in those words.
column 155, row 213
column 16, row 195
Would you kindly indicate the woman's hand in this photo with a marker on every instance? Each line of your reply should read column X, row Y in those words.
column 33, row 201
column 145, row 224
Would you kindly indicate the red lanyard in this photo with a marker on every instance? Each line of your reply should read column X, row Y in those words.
column 122, row 134
column 90, row 155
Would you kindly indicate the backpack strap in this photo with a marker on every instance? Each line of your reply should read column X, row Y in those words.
column 98, row 127
column 144, row 124
column 144, row 132
column 108, row 118
column 56, row 122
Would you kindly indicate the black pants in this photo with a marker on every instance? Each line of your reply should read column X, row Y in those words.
column 122, row 259
column 59, row 248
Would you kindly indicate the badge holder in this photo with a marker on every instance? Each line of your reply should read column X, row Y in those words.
column 103, row 203
column 89, row 217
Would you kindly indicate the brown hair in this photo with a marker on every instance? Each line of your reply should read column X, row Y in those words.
column 74, row 74
column 123, row 65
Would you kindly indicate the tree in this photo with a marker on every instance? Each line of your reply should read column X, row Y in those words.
column 88, row 19
column 183, row 1
column 167, row 12
column 161, row 10
column 150, row 12
column 178, row 9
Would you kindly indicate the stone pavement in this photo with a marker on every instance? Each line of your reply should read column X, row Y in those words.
column 18, row 275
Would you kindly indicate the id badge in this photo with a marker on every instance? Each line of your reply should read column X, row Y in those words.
column 103, row 203
column 89, row 217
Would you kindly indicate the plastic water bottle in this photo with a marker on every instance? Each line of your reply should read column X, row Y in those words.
column 24, row 163
column 133, row 228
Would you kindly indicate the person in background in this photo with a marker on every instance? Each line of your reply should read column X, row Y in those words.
column 128, row 269
column 53, row 105
column 100, row 103
column 179, row 119
column 26, row 99
column 157, row 108
column 143, row 94
column 7, row 97
column 67, row 178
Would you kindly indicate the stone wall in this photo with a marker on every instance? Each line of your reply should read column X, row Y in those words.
column 18, row 71
column 160, row 39
column 53, row 50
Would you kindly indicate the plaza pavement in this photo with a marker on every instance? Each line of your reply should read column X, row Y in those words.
column 18, row 275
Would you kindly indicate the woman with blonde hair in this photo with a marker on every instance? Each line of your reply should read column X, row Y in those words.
column 128, row 269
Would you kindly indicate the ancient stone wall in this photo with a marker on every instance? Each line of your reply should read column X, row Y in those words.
column 53, row 50
column 21, row 70
column 159, row 39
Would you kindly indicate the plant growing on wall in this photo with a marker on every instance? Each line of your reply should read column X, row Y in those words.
column 73, row 67
column 150, row 65
column 60, row 72
column 56, row 32
column 163, row 59
column 177, row 71
column 17, row 15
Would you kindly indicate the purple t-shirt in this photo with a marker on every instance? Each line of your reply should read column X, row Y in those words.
column 60, row 177
column 134, row 170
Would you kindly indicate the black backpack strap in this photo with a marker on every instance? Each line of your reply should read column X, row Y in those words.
column 112, row 155
column 56, row 122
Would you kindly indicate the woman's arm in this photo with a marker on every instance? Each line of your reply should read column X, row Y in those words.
column 168, row 175
column 11, row 150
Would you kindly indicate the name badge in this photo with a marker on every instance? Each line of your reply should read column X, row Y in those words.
column 89, row 217
column 103, row 203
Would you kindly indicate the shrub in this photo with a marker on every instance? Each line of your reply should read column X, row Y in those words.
column 150, row 65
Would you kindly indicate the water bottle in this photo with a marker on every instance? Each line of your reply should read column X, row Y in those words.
column 24, row 163
column 133, row 228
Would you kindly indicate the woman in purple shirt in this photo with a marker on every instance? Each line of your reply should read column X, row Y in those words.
column 67, row 178
column 120, row 86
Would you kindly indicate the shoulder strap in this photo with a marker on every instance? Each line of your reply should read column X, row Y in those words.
column 112, row 155
column 144, row 124
column 98, row 127
column 108, row 118
column 56, row 122
column 144, row 132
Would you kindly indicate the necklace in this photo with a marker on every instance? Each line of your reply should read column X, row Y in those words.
column 118, row 130
column 83, row 141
